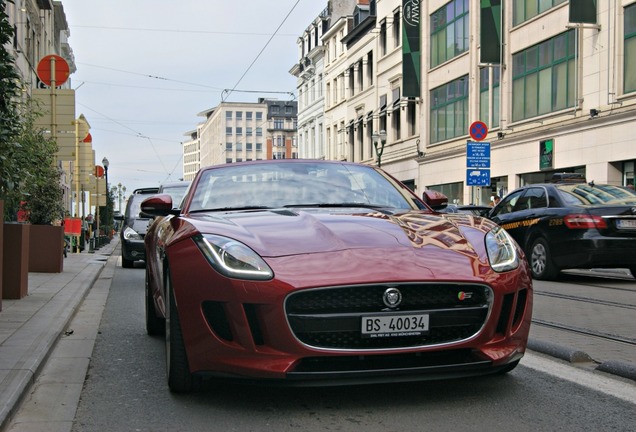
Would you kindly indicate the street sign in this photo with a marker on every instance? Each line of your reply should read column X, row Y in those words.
column 477, row 155
column 478, row 130
column 476, row 177
column 53, row 67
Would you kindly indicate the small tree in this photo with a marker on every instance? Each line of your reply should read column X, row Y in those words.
column 11, row 172
column 42, row 189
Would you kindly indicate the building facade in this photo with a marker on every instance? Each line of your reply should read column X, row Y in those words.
column 245, row 131
column 560, row 97
column 41, row 29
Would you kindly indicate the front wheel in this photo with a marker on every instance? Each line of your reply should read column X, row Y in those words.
column 180, row 380
column 540, row 261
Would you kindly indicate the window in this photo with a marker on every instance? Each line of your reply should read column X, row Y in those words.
column 352, row 84
column 411, row 117
column 228, row 130
column 239, row 130
column 449, row 31
column 543, row 77
column 449, row 110
column 259, row 131
column 239, row 115
column 396, row 28
column 523, row 10
column 259, row 116
column 228, row 115
column 228, row 146
column 279, row 124
column 248, row 115
column 248, row 146
column 383, row 38
column 248, row 131
column 630, row 49
column 489, row 110
column 275, row 109
column 370, row 68
column 395, row 114
column 259, row 146
column 288, row 109
column 239, row 147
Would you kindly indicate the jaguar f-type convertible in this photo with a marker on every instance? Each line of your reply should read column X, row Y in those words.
column 307, row 272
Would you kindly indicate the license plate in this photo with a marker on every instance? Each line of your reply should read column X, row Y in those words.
column 381, row 326
column 626, row 223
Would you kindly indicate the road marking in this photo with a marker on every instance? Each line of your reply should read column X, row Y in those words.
column 605, row 384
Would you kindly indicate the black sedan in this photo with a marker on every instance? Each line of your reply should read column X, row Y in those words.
column 571, row 226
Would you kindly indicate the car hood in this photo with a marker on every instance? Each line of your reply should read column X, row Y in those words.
column 293, row 232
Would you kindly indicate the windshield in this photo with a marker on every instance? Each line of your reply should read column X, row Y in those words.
column 297, row 184
column 177, row 193
column 583, row 193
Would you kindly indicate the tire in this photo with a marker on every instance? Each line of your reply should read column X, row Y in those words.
column 154, row 324
column 126, row 263
column 540, row 260
column 180, row 380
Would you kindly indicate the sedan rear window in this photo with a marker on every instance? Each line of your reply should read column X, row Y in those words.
column 586, row 194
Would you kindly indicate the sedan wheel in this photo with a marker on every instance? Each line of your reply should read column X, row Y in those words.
column 180, row 380
column 541, row 263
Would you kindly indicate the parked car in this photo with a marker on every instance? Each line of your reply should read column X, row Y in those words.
column 571, row 224
column 476, row 210
column 303, row 272
column 176, row 190
column 133, row 228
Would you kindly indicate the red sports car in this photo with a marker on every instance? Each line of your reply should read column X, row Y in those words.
column 322, row 272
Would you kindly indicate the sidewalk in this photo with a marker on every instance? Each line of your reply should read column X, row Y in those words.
column 30, row 327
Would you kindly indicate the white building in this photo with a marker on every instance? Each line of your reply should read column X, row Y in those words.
column 562, row 99
column 245, row 131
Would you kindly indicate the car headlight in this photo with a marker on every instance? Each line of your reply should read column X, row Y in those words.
column 232, row 258
column 502, row 250
column 131, row 234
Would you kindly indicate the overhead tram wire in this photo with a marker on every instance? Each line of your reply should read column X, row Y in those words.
column 262, row 50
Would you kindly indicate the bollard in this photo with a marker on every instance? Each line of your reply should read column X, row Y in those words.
column 90, row 245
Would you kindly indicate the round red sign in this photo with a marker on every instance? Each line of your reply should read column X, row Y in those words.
column 53, row 63
column 478, row 130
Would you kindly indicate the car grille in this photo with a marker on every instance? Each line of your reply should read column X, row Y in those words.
column 331, row 317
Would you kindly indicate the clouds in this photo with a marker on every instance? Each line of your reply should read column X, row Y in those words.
column 145, row 68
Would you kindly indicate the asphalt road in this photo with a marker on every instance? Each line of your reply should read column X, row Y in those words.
column 125, row 389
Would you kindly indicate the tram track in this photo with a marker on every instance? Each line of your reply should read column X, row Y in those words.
column 584, row 331
column 585, row 299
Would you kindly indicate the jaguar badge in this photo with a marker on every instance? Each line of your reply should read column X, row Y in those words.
column 392, row 297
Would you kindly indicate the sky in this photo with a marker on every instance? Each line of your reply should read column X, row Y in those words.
column 147, row 68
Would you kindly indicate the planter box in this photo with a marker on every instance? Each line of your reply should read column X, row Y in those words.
column 15, row 261
column 46, row 249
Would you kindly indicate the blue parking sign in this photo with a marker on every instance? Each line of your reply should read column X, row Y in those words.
column 478, row 177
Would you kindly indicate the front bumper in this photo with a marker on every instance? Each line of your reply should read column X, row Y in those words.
column 242, row 329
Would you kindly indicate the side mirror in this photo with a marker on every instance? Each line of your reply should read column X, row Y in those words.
column 157, row 205
column 435, row 200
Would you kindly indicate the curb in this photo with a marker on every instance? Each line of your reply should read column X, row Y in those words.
column 18, row 381
column 573, row 355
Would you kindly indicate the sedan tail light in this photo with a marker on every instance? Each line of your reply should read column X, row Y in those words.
column 584, row 221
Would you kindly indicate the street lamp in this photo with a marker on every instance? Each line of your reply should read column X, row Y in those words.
column 379, row 140
column 106, row 163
